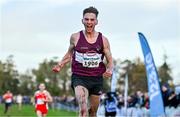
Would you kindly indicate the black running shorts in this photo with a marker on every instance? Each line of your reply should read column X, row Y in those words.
column 94, row 84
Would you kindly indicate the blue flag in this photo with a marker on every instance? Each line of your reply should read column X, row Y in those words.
column 154, row 91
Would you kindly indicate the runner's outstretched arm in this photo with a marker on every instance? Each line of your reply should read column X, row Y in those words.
column 49, row 97
column 108, row 56
column 67, row 57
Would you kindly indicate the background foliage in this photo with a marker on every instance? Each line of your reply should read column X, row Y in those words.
column 60, row 83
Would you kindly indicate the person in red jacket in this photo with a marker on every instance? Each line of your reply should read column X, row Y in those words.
column 8, row 99
column 42, row 97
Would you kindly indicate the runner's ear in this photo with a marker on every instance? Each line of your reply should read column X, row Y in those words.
column 96, row 22
column 82, row 21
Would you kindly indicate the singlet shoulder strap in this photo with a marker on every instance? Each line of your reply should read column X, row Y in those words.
column 100, row 39
column 81, row 34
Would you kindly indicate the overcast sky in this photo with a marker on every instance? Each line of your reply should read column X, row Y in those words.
column 33, row 30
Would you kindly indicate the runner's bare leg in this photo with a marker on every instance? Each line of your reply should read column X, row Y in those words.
column 38, row 113
column 94, row 103
column 82, row 98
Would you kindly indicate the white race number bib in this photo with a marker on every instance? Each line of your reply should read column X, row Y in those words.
column 40, row 101
column 91, row 60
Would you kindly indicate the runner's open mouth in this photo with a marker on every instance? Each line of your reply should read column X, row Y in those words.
column 89, row 26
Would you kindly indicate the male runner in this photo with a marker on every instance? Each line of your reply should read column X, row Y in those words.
column 86, row 52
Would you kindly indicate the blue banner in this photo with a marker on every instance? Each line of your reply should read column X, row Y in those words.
column 154, row 91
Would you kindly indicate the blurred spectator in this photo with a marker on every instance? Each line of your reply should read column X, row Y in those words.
column 26, row 100
column 1, row 99
column 166, row 92
column 132, row 100
column 8, row 99
column 140, row 99
column 173, row 100
column 146, row 100
column 19, row 99
column 111, row 104
column 177, row 89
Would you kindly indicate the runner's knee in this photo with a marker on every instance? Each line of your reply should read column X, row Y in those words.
column 81, row 94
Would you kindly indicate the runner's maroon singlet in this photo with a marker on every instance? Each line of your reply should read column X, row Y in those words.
column 87, row 59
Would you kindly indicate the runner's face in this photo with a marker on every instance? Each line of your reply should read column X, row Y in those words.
column 41, row 87
column 90, row 21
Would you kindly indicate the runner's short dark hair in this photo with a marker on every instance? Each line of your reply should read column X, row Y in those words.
column 90, row 9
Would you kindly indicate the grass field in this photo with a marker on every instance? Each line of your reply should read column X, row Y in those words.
column 28, row 111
